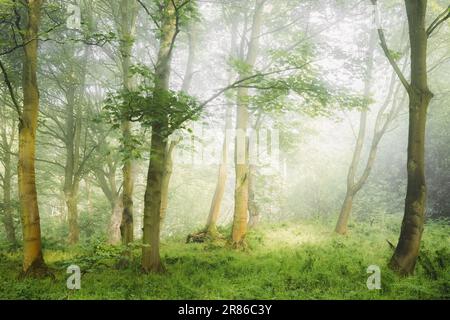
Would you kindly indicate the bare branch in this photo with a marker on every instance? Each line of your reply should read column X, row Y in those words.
column 11, row 91
column 441, row 18
column 237, row 83
column 149, row 13
column 391, row 59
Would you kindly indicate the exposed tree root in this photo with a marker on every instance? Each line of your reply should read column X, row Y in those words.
column 38, row 270
column 204, row 236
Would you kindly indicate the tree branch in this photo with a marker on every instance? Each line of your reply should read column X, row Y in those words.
column 387, row 52
column 441, row 18
column 149, row 14
column 238, row 82
column 11, row 91
column 392, row 60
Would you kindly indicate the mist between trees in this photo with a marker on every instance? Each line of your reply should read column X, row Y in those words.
column 156, row 135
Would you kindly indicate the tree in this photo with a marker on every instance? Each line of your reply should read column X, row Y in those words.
column 126, row 29
column 405, row 256
column 7, row 139
column 164, row 122
column 240, row 218
column 384, row 118
column 185, row 87
column 33, row 260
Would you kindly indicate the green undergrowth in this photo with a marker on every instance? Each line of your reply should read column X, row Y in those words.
column 295, row 260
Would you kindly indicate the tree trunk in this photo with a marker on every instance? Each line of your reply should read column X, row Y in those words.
column 253, row 210
column 33, row 261
column 405, row 256
column 72, row 143
column 346, row 209
column 216, row 204
column 168, row 169
column 187, row 81
column 126, row 225
column 189, row 72
column 114, row 223
column 240, row 218
column 341, row 226
column 151, row 260
column 72, row 213
column 128, row 14
column 8, row 219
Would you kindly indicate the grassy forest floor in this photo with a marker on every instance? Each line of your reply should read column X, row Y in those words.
column 297, row 260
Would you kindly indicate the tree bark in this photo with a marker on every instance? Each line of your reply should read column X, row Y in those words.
column 167, row 174
column 8, row 219
column 240, row 218
column 405, row 256
column 114, row 235
column 253, row 210
column 216, row 203
column 71, row 178
column 33, row 260
column 151, row 260
column 128, row 15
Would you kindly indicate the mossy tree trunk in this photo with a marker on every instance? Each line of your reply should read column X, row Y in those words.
column 406, row 252
column 127, row 29
column 405, row 256
column 33, row 260
column 151, row 260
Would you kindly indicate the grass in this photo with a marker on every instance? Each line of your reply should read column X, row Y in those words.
column 296, row 260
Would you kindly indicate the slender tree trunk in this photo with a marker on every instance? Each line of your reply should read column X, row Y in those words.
column 346, row 209
column 33, row 261
column 405, row 256
column 167, row 174
column 72, row 213
column 253, row 208
column 72, row 143
column 151, row 260
column 90, row 206
column 126, row 225
column 254, row 215
column 115, row 221
column 240, row 218
column 216, row 204
column 128, row 14
column 189, row 73
column 7, row 209
column 341, row 226
column 187, row 81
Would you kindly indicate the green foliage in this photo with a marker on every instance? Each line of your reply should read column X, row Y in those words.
column 151, row 106
column 294, row 83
